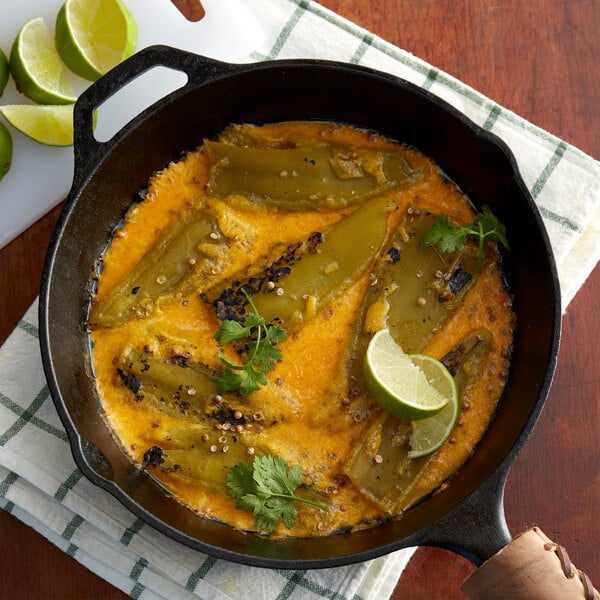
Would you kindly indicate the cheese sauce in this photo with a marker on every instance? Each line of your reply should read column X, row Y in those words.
column 204, row 229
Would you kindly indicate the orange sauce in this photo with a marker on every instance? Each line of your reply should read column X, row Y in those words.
column 303, row 414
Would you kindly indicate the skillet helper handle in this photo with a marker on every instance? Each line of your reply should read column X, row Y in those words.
column 531, row 567
column 198, row 69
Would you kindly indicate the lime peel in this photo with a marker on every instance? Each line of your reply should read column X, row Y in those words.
column 400, row 386
column 4, row 71
column 93, row 36
column 428, row 435
column 36, row 66
column 6, row 150
column 51, row 125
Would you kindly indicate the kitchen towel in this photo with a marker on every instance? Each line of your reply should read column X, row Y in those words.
column 39, row 482
column 564, row 182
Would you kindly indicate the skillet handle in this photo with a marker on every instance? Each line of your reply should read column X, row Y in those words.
column 476, row 528
column 531, row 567
column 87, row 148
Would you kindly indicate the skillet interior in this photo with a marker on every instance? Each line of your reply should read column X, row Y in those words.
column 479, row 163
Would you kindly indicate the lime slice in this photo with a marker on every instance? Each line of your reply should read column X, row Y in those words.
column 430, row 434
column 93, row 36
column 36, row 66
column 51, row 125
column 399, row 385
column 4, row 71
column 6, row 150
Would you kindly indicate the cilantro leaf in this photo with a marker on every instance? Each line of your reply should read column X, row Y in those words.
column 444, row 235
column 253, row 502
column 274, row 510
column 242, row 378
column 231, row 330
column 239, row 479
column 251, row 380
column 448, row 237
column 254, row 320
column 261, row 351
column 269, row 516
column 264, row 355
column 272, row 473
column 491, row 227
column 276, row 334
column 288, row 514
column 267, row 488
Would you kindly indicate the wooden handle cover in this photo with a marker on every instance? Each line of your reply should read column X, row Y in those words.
column 192, row 10
column 531, row 567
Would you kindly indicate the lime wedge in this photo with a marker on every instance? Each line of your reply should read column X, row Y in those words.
column 93, row 36
column 6, row 150
column 400, row 386
column 51, row 125
column 36, row 66
column 430, row 434
column 4, row 71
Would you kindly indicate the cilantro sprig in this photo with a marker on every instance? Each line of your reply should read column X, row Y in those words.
column 447, row 237
column 267, row 489
column 261, row 350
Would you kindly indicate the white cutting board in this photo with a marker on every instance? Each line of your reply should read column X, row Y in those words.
column 40, row 176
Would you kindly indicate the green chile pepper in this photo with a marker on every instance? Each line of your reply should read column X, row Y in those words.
column 162, row 269
column 389, row 481
column 208, row 464
column 419, row 287
column 309, row 175
column 173, row 386
column 321, row 276
column 185, row 389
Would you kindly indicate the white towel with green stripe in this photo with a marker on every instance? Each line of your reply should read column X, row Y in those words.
column 564, row 182
column 39, row 482
column 41, row 485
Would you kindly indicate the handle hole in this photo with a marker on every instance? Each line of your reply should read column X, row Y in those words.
column 135, row 97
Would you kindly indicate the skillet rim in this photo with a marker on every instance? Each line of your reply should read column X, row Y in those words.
column 91, row 163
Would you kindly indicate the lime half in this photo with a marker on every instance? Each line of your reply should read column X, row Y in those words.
column 36, row 66
column 51, row 125
column 93, row 36
column 6, row 150
column 4, row 71
column 428, row 435
column 400, row 386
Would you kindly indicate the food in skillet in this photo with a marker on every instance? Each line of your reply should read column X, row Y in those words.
column 237, row 300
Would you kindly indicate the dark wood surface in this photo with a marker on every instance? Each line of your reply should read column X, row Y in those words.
column 540, row 59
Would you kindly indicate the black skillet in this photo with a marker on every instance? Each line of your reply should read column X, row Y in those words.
column 467, row 516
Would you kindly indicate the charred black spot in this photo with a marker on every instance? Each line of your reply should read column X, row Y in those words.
column 394, row 254
column 314, row 240
column 226, row 414
column 132, row 383
column 458, row 280
column 153, row 456
column 182, row 361
column 453, row 359
column 135, row 290
column 231, row 303
column 145, row 364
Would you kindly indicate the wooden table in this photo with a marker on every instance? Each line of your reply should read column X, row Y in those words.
column 540, row 59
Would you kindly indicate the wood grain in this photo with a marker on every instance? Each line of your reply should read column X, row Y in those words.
column 539, row 59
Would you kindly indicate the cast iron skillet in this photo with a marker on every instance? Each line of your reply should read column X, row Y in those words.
column 468, row 515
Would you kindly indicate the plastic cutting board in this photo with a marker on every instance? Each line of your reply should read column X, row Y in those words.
column 40, row 176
